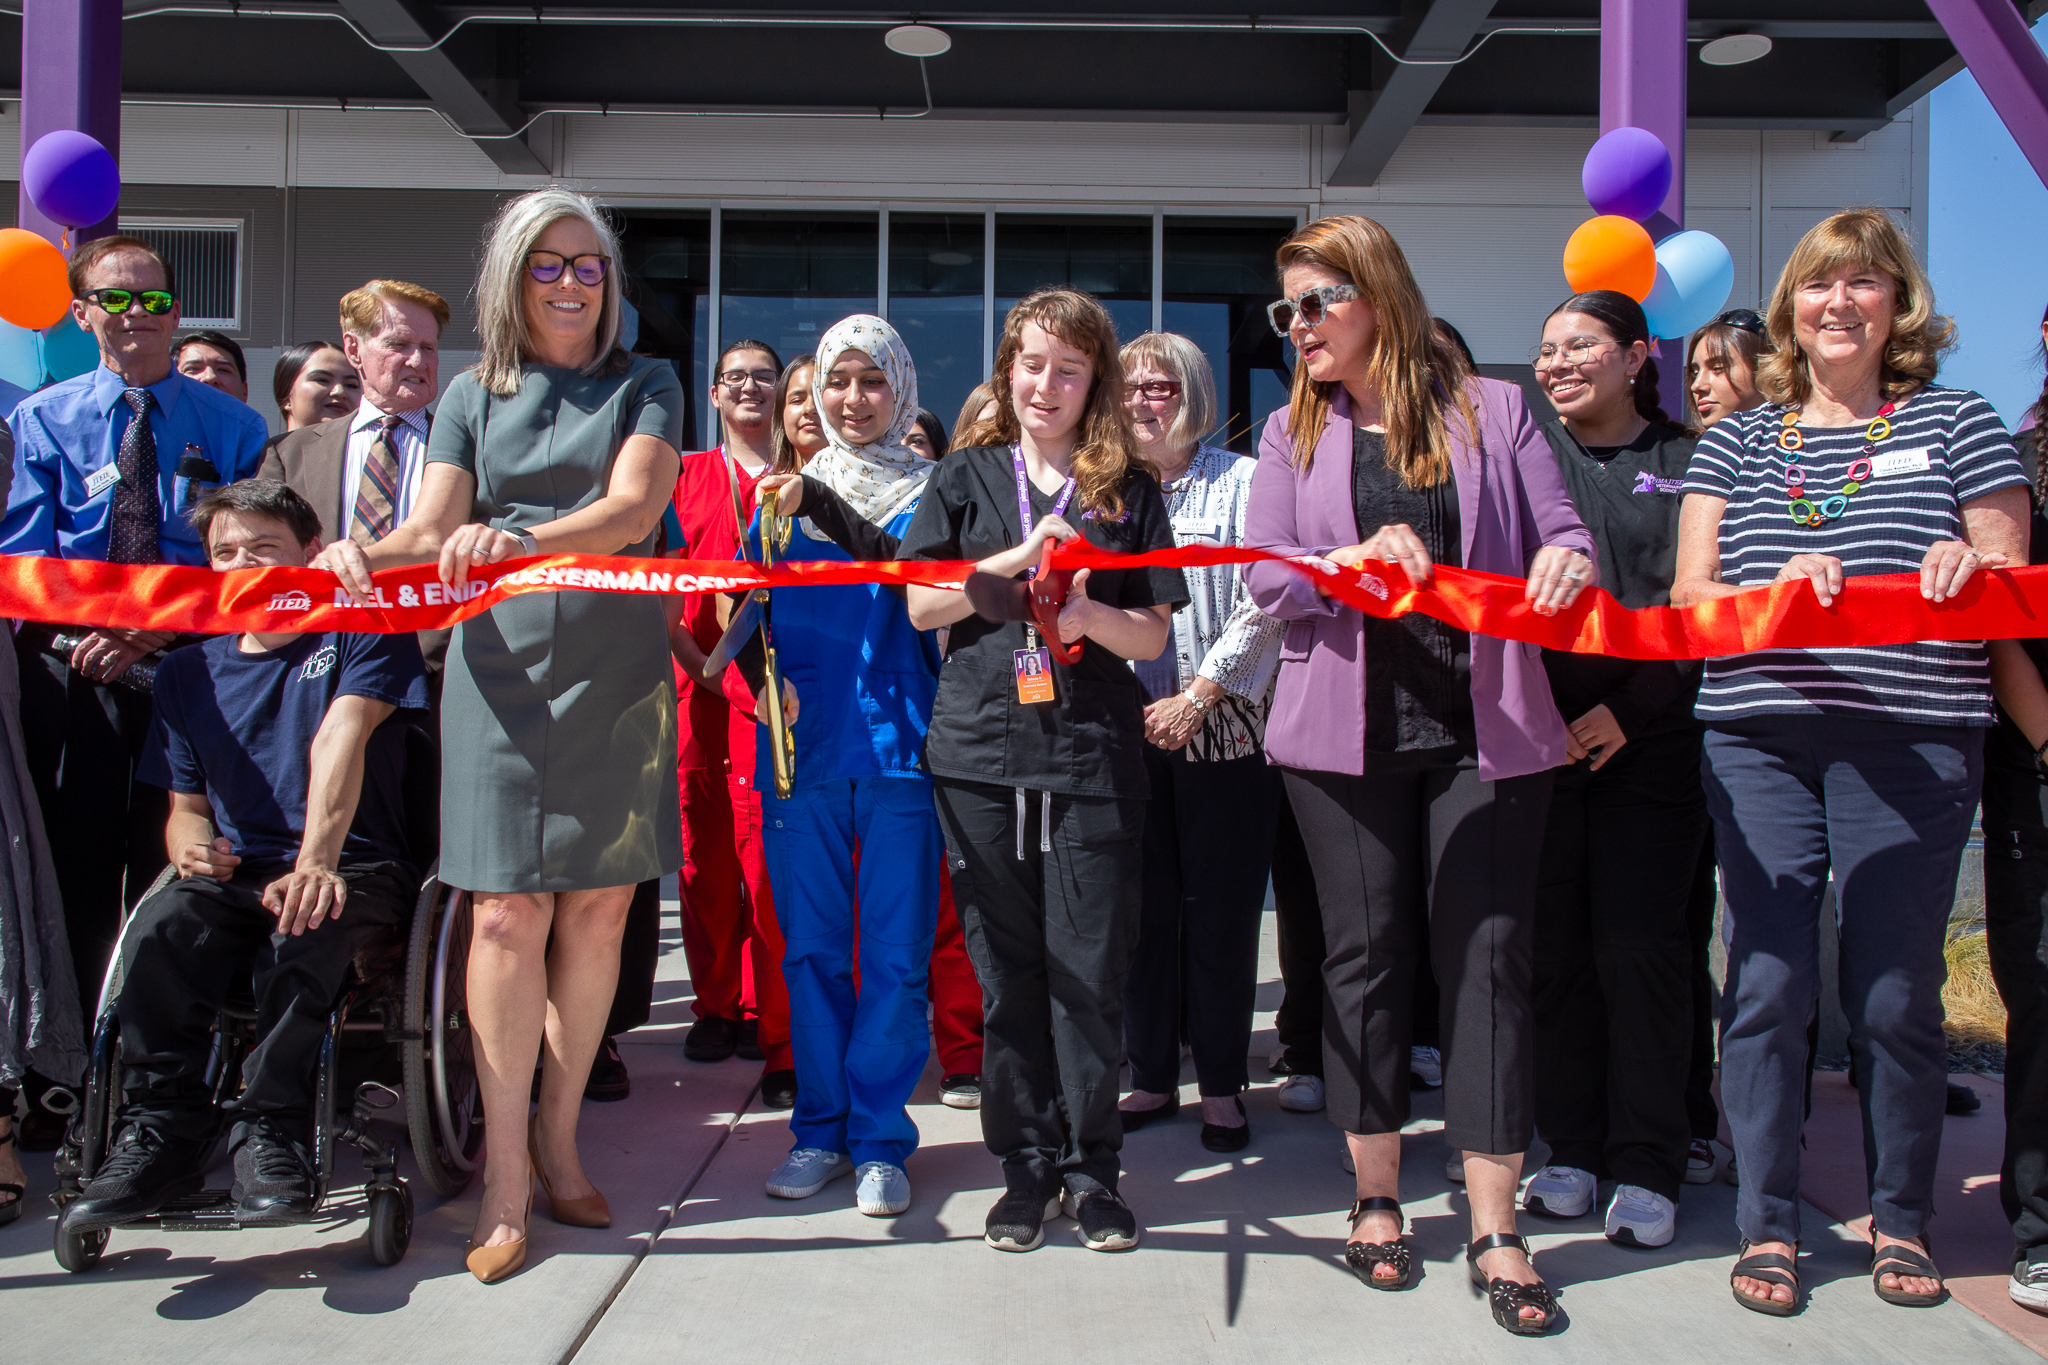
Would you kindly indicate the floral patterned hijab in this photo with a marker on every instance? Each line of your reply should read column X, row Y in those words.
column 880, row 480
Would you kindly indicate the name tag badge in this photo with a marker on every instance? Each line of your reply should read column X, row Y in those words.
column 1900, row 462
column 1207, row 527
column 1034, row 675
column 100, row 480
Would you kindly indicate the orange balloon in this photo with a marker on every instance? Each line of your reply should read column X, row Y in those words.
column 33, row 290
column 1611, row 252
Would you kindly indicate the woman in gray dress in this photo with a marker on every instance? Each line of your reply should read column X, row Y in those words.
column 558, row 727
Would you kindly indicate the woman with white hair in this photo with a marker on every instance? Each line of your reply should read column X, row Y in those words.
column 558, row 719
column 1215, row 803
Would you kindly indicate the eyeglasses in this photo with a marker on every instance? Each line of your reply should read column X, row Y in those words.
column 1155, row 390
column 155, row 302
column 1747, row 319
column 546, row 266
column 1576, row 351
column 1311, row 305
column 739, row 379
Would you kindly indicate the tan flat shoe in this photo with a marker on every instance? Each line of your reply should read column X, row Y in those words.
column 493, row 1263
column 590, row 1211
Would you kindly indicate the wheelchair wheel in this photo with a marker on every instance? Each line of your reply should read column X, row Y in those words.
column 390, row 1224
column 79, row 1252
column 443, row 1104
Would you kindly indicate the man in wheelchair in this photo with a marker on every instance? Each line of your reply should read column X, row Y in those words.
column 280, row 742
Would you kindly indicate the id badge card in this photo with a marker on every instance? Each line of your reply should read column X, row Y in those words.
column 1034, row 673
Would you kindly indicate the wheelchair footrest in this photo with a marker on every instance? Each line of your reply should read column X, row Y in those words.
column 206, row 1211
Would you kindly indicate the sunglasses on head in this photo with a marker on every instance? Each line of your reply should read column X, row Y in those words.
column 1311, row 306
column 1748, row 319
column 547, row 266
column 155, row 302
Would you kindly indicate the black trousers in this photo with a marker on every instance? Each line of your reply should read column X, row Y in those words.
column 1298, row 924
column 1051, row 936
column 1702, row 1112
column 2016, row 930
column 1420, row 847
column 1207, row 848
column 184, row 950
column 639, row 956
column 106, row 830
column 1614, row 962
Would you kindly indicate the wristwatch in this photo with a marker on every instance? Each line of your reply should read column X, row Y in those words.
column 527, row 542
column 1201, row 707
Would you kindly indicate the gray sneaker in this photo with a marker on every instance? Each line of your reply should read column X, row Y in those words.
column 806, row 1171
column 883, row 1189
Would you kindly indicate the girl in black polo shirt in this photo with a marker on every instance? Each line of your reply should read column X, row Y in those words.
column 1038, row 761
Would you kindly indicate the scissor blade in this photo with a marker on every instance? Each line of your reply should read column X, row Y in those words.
column 746, row 619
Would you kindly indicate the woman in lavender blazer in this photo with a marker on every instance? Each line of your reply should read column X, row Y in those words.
column 1417, row 758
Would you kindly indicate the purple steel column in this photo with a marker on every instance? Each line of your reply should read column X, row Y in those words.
column 1642, row 85
column 70, row 78
column 2008, row 65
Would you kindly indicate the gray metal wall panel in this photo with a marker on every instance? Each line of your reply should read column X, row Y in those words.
column 346, row 236
column 261, row 210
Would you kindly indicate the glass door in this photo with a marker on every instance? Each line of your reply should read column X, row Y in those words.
column 785, row 278
column 937, row 265
column 667, row 281
column 1218, row 277
column 1108, row 256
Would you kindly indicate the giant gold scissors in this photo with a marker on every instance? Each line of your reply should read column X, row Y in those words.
column 753, row 615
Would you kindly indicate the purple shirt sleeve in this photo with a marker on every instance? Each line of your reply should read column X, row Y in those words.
column 1548, row 516
column 1271, row 524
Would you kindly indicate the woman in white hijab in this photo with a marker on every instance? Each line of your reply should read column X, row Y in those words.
column 865, row 677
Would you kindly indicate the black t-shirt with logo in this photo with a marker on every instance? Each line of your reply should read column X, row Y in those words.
column 1089, row 740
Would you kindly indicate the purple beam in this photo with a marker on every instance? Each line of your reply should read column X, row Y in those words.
column 1642, row 85
column 2009, row 66
column 70, row 78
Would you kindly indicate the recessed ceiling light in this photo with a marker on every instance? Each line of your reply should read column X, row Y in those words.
column 918, row 40
column 1735, row 49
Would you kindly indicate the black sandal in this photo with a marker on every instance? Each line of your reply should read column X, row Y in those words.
column 1897, row 1260
column 1508, row 1298
column 1772, row 1268
column 11, row 1210
column 1362, row 1257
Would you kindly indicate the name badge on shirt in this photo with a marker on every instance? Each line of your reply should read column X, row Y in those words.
column 1197, row 526
column 1034, row 675
column 100, row 480
column 1900, row 462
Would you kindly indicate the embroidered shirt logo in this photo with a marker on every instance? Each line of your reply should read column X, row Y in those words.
column 1646, row 482
column 319, row 663
column 291, row 601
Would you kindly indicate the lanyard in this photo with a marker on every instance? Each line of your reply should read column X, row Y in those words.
column 1059, row 507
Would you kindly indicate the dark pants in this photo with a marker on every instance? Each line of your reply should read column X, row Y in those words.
column 2016, row 930
column 1208, row 845
column 1420, row 847
column 639, row 956
column 1702, row 1111
column 1887, row 806
column 1613, row 990
column 1298, row 925
column 106, row 830
column 182, row 953
column 1051, row 935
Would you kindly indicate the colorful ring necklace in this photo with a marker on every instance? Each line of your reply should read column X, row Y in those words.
column 1819, row 508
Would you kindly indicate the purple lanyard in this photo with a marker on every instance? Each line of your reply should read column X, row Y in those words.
column 1059, row 507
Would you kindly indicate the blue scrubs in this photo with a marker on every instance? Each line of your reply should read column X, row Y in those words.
column 865, row 679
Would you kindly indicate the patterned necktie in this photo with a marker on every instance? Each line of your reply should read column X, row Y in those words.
column 377, row 494
column 131, row 535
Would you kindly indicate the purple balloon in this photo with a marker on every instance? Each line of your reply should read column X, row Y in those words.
column 71, row 178
column 1628, row 173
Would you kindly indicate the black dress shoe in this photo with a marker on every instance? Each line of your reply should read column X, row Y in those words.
column 1962, row 1100
column 1134, row 1119
column 1218, row 1138
column 608, row 1081
column 778, row 1090
column 711, row 1039
column 749, row 1045
column 273, row 1176
column 144, row 1171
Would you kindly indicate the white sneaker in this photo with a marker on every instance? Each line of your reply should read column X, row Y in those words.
column 1560, row 1192
column 1302, row 1095
column 807, row 1170
column 1637, row 1217
column 2029, row 1287
column 1425, row 1069
column 1454, row 1166
column 883, row 1189
column 1700, row 1162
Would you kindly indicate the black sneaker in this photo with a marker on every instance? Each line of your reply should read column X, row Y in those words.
column 749, row 1045
column 962, row 1090
column 144, row 1171
column 778, row 1090
column 1104, row 1222
column 711, row 1039
column 608, row 1081
column 273, row 1174
column 1017, row 1222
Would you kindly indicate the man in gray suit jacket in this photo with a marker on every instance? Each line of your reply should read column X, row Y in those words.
column 362, row 472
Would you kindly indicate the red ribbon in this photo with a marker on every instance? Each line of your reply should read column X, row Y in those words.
column 1884, row 610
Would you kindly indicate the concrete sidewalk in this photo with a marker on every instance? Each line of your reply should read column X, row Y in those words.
column 1241, row 1262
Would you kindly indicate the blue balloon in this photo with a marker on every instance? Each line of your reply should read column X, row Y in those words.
column 21, row 360
column 71, row 178
column 68, row 350
column 1695, row 275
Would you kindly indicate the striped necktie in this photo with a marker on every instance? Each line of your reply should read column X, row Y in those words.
column 132, row 531
column 376, row 512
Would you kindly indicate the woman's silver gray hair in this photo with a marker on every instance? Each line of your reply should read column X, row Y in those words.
column 1174, row 356
column 500, row 300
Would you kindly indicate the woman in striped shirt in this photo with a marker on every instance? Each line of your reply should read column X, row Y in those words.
column 1860, row 764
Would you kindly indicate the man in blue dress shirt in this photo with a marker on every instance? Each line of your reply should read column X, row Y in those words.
column 106, row 466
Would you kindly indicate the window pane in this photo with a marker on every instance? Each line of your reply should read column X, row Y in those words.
column 787, row 277
column 668, row 279
column 936, row 265
column 1109, row 257
column 204, row 261
column 1218, row 278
